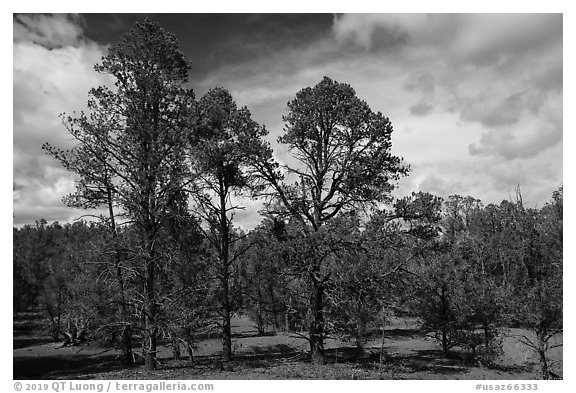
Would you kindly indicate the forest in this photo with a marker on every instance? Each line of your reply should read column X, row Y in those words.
column 336, row 257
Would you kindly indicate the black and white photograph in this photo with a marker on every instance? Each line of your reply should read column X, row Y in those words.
column 287, row 196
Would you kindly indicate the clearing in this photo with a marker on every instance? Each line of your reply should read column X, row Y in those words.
column 409, row 355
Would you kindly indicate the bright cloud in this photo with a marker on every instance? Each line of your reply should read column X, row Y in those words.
column 53, row 71
column 484, row 90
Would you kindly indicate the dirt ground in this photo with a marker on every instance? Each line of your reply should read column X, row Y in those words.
column 409, row 355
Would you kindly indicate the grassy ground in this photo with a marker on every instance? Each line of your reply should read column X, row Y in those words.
column 409, row 355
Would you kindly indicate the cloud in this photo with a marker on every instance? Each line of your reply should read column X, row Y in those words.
column 52, row 73
column 368, row 32
column 473, row 118
column 480, row 94
column 510, row 144
column 51, row 31
column 422, row 82
column 421, row 109
column 490, row 180
column 533, row 133
column 500, row 71
column 439, row 186
column 494, row 112
column 473, row 38
column 549, row 76
column 496, row 38
column 379, row 31
column 537, row 178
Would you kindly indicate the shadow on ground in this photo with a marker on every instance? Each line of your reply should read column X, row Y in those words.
column 64, row 367
column 30, row 341
column 427, row 361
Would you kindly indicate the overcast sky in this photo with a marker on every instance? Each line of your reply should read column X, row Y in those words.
column 475, row 99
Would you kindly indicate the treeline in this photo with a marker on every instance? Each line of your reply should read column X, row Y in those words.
column 334, row 254
column 467, row 271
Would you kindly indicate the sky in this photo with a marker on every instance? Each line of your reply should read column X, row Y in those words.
column 475, row 99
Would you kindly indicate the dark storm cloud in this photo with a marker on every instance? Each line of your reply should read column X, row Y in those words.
column 214, row 41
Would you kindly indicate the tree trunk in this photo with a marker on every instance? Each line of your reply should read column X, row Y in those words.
column 260, row 325
column 260, row 315
column 176, row 347
column 542, row 358
column 382, row 358
column 487, row 335
column 226, row 310
column 189, row 342
column 150, row 352
column 274, row 309
column 445, row 316
column 544, row 370
column 127, row 344
column 317, row 296
column 150, row 338
column 56, row 325
column 150, row 306
column 317, row 325
column 226, row 338
column 190, row 351
column 225, row 274
column 127, row 331
column 445, row 340
column 360, row 334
